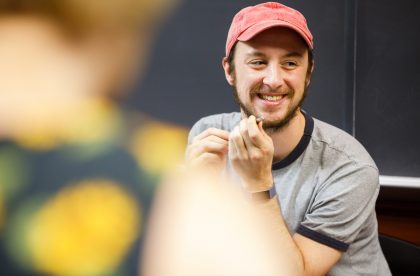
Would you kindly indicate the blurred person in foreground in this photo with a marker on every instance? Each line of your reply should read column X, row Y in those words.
column 318, row 183
column 201, row 226
column 77, row 170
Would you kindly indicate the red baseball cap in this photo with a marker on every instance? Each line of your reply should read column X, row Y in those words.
column 252, row 20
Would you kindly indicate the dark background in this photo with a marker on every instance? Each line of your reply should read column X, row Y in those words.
column 366, row 79
column 388, row 84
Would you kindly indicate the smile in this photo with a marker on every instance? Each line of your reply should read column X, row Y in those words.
column 271, row 98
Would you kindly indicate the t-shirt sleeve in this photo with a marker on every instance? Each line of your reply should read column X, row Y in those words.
column 196, row 129
column 223, row 121
column 342, row 207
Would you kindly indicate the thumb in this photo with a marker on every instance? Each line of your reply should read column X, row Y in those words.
column 260, row 127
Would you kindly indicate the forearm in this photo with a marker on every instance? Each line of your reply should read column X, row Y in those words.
column 289, row 255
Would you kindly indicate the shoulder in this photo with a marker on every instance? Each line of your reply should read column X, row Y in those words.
column 341, row 145
column 225, row 121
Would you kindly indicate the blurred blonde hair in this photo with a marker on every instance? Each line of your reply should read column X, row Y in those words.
column 79, row 16
column 75, row 56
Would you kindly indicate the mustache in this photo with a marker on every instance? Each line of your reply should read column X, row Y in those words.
column 263, row 89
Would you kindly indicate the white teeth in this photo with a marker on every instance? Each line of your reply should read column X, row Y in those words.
column 271, row 98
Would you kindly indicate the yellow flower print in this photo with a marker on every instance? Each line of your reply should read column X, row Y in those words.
column 86, row 229
column 158, row 147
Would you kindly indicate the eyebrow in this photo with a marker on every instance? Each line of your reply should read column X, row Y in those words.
column 261, row 54
column 294, row 54
column 254, row 53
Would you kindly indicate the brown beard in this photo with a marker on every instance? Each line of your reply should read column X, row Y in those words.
column 272, row 126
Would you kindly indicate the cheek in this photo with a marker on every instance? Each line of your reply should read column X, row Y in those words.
column 297, row 81
column 246, row 82
column 244, row 88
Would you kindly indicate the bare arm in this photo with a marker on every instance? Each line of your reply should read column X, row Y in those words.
column 305, row 256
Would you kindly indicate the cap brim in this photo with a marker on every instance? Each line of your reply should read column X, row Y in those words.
column 262, row 26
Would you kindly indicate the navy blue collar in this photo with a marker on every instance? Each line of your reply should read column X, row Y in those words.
column 300, row 147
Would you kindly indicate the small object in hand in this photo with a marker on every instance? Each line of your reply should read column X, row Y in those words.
column 260, row 119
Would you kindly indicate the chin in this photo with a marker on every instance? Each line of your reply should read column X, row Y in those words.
column 279, row 122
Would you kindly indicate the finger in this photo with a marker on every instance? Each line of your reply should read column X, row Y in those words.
column 223, row 134
column 232, row 152
column 243, row 126
column 209, row 144
column 255, row 132
column 236, row 140
column 260, row 125
column 212, row 138
column 262, row 130
column 208, row 158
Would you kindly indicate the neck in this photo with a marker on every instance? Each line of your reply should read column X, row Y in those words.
column 287, row 138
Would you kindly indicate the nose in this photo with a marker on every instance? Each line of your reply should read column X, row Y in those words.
column 273, row 77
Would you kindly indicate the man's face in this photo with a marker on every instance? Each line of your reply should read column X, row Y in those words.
column 270, row 75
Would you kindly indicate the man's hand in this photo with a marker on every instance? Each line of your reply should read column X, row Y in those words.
column 208, row 150
column 251, row 153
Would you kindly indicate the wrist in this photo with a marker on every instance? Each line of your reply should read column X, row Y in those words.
column 252, row 184
column 263, row 196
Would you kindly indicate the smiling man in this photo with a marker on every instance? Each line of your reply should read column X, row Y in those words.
column 317, row 182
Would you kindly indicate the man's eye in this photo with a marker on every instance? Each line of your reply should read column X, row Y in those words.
column 290, row 64
column 257, row 62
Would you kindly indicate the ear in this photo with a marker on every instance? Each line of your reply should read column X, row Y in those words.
column 309, row 74
column 226, row 67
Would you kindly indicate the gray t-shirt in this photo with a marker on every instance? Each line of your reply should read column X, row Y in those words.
column 327, row 188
